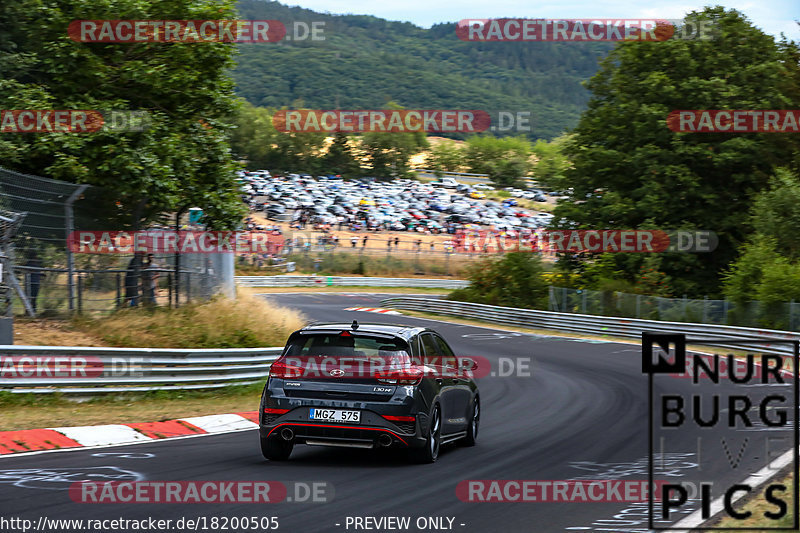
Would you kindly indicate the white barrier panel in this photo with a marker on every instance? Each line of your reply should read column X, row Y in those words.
column 341, row 281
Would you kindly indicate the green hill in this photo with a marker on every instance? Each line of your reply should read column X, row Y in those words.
column 365, row 61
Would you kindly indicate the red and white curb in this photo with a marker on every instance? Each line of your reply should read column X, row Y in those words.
column 35, row 440
column 373, row 310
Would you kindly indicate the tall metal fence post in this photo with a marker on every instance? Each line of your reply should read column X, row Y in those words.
column 80, row 294
column 725, row 309
column 177, row 279
column 119, row 290
column 791, row 315
column 70, row 227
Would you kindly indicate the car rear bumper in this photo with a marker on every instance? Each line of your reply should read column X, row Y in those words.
column 317, row 434
column 373, row 432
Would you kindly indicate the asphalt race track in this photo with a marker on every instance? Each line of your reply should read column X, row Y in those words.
column 581, row 413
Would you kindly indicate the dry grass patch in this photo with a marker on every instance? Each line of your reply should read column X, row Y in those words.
column 44, row 332
column 246, row 322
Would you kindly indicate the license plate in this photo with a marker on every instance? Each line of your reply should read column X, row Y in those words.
column 335, row 415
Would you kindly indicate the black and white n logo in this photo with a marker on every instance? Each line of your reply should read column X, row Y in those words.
column 663, row 353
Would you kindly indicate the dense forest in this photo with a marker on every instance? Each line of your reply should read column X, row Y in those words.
column 365, row 62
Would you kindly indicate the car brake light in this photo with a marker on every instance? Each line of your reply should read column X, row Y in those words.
column 400, row 418
column 280, row 369
column 270, row 411
column 402, row 376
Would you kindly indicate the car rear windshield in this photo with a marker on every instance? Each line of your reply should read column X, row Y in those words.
column 348, row 345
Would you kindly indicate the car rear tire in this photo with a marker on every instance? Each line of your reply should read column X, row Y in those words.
column 276, row 449
column 430, row 452
column 472, row 429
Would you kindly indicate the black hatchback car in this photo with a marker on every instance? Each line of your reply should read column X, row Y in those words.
column 368, row 386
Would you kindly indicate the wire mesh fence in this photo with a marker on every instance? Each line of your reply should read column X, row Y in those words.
column 784, row 315
column 55, row 280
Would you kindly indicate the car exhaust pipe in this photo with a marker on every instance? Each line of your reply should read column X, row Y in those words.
column 287, row 434
column 385, row 440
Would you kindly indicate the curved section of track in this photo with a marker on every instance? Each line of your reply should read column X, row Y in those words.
column 582, row 412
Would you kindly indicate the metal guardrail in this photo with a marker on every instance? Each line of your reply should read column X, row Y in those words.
column 341, row 281
column 712, row 335
column 447, row 173
column 114, row 370
column 129, row 369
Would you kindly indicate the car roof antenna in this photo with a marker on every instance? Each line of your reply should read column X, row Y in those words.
column 354, row 325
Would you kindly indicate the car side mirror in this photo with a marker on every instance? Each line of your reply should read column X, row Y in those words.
column 466, row 363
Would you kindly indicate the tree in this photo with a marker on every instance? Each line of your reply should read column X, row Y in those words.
column 253, row 137
column 762, row 274
column 767, row 261
column 631, row 171
column 776, row 210
column 505, row 160
column 182, row 159
column 446, row 156
column 256, row 140
column 387, row 154
column 339, row 158
column 514, row 280
column 552, row 164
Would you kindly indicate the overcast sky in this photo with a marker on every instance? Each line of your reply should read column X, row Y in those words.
column 772, row 16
